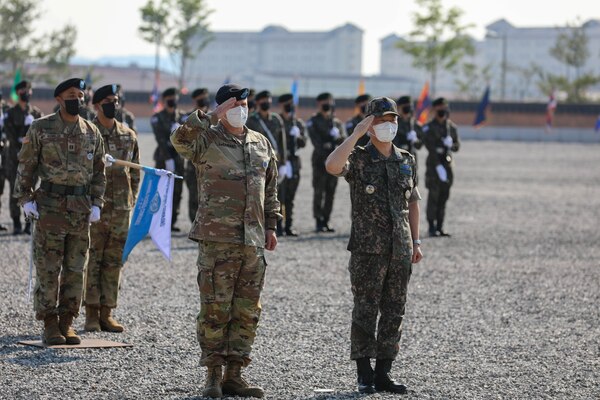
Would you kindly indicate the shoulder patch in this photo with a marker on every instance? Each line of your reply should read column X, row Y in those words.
column 154, row 119
column 425, row 127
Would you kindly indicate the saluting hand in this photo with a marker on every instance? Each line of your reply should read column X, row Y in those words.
column 224, row 107
column 363, row 126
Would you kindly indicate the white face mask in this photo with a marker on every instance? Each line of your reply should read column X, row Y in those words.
column 237, row 116
column 386, row 131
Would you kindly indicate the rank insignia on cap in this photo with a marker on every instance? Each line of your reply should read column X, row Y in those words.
column 114, row 88
column 82, row 84
column 370, row 189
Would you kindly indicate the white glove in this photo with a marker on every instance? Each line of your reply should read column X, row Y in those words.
column 281, row 173
column 411, row 136
column 289, row 172
column 30, row 210
column 170, row 165
column 107, row 162
column 442, row 173
column 295, row 131
column 162, row 172
column 95, row 214
column 448, row 142
column 334, row 132
column 29, row 119
column 174, row 126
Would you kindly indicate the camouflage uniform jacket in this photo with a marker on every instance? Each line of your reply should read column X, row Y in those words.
column 351, row 125
column 294, row 143
column 62, row 154
column 126, row 117
column 15, row 129
column 163, row 123
column 433, row 136
column 380, row 190
column 318, row 129
column 276, row 128
column 404, row 128
column 237, row 182
column 122, row 183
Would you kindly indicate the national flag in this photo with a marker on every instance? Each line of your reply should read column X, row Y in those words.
column 423, row 104
column 152, row 213
column 597, row 128
column 88, row 79
column 361, row 87
column 13, row 92
column 154, row 98
column 480, row 118
column 294, row 90
column 550, row 109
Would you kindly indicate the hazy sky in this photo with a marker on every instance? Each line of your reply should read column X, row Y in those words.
column 109, row 27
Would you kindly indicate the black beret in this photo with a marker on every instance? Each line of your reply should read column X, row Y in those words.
column 404, row 100
column 362, row 98
column 77, row 83
column 440, row 101
column 199, row 92
column 230, row 90
column 103, row 92
column 23, row 85
column 324, row 96
column 262, row 95
column 285, row 97
column 169, row 92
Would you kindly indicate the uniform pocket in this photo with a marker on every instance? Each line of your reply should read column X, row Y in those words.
column 79, row 204
column 206, row 273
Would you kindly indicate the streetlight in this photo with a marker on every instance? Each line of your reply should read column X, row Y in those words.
column 503, row 65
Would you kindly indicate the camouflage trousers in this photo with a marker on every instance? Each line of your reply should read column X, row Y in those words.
column 103, row 275
column 60, row 251
column 379, row 285
column 192, row 184
column 230, row 279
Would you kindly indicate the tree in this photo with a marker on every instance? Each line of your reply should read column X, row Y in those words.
column 571, row 48
column 19, row 45
column 471, row 80
column 439, row 39
column 154, row 27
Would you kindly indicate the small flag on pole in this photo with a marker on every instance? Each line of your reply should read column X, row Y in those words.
column 550, row 109
column 13, row 92
column 481, row 117
column 597, row 128
column 294, row 90
column 361, row 87
column 423, row 104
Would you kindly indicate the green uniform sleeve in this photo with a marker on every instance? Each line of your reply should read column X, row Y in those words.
column 455, row 141
column 192, row 138
column 272, row 206
column 98, row 183
column 135, row 173
column 28, row 163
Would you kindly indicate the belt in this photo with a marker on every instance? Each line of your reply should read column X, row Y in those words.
column 63, row 189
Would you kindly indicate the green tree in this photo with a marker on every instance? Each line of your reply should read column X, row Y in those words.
column 19, row 46
column 154, row 27
column 571, row 48
column 472, row 80
column 439, row 40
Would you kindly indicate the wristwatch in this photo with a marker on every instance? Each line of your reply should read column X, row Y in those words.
column 417, row 242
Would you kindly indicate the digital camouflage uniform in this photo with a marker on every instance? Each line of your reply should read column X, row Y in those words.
column 125, row 117
column 381, row 247
column 290, row 185
column 108, row 235
column 401, row 140
column 237, row 183
column 68, row 158
column 439, row 192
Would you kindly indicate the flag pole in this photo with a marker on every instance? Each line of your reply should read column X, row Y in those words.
column 116, row 161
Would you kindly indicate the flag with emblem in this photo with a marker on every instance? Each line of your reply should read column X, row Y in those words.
column 13, row 92
column 423, row 104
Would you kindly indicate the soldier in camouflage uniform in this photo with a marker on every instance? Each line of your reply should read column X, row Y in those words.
column 108, row 236
column 326, row 133
column 3, row 153
column 66, row 152
column 123, row 115
column 440, row 137
column 410, row 133
column 235, row 223
column 384, row 241
column 163, row 123
column 295, row 131
column 361, row 105
column 17, row 121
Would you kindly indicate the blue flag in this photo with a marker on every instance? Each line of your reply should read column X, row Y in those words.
column 597, row 129
column 480, row 118
column 294, row 91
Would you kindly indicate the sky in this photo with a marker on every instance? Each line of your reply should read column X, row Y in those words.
column 109, row 27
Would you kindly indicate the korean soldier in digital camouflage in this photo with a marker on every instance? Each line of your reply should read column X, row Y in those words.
column 410, row 133
column 66, row 152
column 108, row 236
column 440, row 137
column 384, row 240
column 17, row 121
column 236, row 221
column 361, row 105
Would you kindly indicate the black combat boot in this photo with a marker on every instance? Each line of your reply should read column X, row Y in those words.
column 440, row 231
column 17, row 228
column 432, row 230
column 326, row 227
column 27, row 229
column 383, row 382
column 319, row 227
column 3, row 227
column 366, row 383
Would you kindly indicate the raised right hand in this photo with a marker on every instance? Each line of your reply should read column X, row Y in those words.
column 224, row 107
column 363, row 126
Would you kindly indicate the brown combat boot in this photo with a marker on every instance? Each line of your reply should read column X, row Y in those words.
column 107, row 322
column 214, row 381
column 52, row 335
column 235, row 385
column 65, row 324
column 92, row 318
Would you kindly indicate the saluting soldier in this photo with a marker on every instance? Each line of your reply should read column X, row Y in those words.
column 66, row 152
column 361, row 105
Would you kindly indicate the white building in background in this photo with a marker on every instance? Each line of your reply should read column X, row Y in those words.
column 519, row 47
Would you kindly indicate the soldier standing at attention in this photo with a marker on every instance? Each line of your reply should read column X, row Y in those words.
column 123, row 115
column 440, row 137
column 236, row 220
column 410, row 132
column 271, row 125
column 361, row 104
column 66, row 152
column 108, row 236
column 17, row 121
column 163, row 123
column 384, row 241
column 326, row 133
column 296, row 139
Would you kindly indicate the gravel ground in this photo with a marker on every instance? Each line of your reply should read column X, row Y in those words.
column 506, row 308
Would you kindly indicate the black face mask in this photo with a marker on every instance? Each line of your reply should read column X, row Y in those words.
column 326, row 107
column 171, row 103
column 407, row 109
column 109, row 110
column 72, row 106
column 442, row 113
column 251, row 104
column 265, row 106
column 24, row 97
column 288, row 108
column 363, row 109
column 202, row 103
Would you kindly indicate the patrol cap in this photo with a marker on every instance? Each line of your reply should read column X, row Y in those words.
column 23, row 85
column 199, row 92
column 285, row 97
column 230, row 90
column 103, row 92
column 77, row 83
column 362, row 98
column 169, row 92
column 381, row 106
column 404, row 100
column 262, row 95
column 440, row 101
column 324, row 96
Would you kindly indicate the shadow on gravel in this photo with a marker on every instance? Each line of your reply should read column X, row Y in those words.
column 30, row 356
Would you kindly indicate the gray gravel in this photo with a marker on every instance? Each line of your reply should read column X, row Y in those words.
column 506, row 308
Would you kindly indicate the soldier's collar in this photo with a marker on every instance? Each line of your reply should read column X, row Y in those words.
column 377, row 156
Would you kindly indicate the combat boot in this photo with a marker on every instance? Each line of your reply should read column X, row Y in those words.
column 107, row 322
column 65, row 324
column 235, row 385
column 440, row 231
column 27, row 229
column 17, row 228
column 383, row 382
column 214, row 381
column 366, row 375
column 432, row 230
column 92, row 318
column 52, row 335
